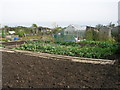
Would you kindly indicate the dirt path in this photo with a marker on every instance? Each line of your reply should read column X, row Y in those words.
column 24, row 71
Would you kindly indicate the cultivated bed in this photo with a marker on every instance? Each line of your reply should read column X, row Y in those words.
column 24, row 71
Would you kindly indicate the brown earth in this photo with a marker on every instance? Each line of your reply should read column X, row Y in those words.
column 24, row 71
column 13, row 43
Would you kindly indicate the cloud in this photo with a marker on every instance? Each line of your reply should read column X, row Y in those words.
column 18, row 11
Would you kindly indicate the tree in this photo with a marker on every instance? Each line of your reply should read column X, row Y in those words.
column 89, row 35
column 99, row 26
column 21, row 33
column 57, row 29
column 54, row 25
column 111, row 25
column 6, row 29
column 35, row 28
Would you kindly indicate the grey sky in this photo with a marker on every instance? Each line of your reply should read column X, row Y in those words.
column 33, row 11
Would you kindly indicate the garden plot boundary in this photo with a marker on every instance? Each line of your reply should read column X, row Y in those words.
column 61, row 57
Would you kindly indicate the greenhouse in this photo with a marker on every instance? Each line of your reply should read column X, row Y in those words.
column 71, row 33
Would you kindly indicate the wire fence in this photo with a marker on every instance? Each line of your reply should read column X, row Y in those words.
column 64, row 38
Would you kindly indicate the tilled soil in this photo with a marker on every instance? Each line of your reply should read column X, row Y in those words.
column 23, row 71
column 13, row 43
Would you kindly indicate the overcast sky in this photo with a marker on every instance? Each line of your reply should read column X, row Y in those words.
column 36, row 11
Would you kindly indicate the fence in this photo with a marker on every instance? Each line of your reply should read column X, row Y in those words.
column 64, row 38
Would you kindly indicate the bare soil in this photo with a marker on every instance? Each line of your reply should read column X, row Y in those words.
column 24, row 71
column 13, row 43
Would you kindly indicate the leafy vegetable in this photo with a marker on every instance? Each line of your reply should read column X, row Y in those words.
column 91, row 49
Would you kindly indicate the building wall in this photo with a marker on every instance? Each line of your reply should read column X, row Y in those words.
column 116, row 33
column 102, row 34
column 105, row 33
column 119, row 13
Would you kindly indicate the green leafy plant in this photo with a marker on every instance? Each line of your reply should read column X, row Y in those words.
column 91, row 49
column 1, row 45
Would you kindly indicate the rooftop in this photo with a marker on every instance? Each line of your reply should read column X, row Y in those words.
column 77, row 27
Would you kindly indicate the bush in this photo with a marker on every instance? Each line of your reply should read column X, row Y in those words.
column 21, row 33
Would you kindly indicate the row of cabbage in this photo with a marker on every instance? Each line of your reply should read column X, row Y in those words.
column 88, row 49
